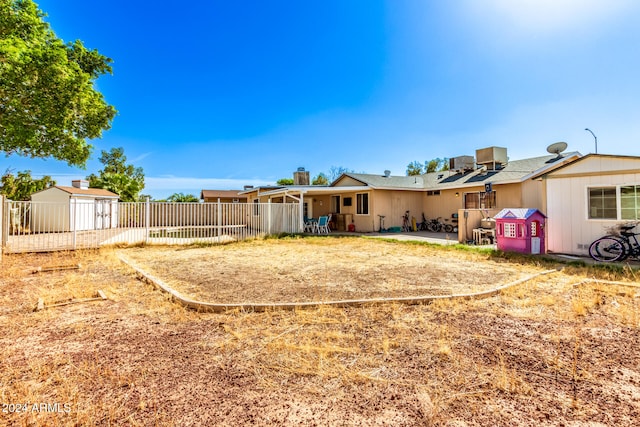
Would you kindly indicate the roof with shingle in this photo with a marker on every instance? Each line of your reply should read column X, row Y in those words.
column 86, row 191
column 513, row 171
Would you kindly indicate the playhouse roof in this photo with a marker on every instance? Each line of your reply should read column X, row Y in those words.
column 517, row 213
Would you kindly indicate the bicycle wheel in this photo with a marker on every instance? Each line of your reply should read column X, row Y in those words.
column 608, row 249
column 448, row 228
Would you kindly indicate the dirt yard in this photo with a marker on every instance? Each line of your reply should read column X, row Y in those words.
column 300, row 270
column 560, row 349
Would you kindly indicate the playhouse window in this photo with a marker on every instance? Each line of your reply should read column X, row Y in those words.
column 509, row 230
column 535, row 229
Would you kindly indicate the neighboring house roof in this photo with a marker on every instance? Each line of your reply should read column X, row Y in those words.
column 516, row 213
column 74, row 191
column 416, row 182
column 513, row 171
column 543, row 174
column 222, row 194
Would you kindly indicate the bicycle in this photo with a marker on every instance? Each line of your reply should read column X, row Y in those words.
column 422, row 226
column 406, row 224
column 619, row 245
column 382, row 229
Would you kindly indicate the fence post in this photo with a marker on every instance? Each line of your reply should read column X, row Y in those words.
column 147, row 219
column 219, row 213
column 2, row 222
column 269, row 217
column 75, row 220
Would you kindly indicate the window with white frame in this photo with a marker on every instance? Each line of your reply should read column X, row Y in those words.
column 617, row 203
column 362, row 203
column 603, row 203
column 630, row 202
column 509, row 230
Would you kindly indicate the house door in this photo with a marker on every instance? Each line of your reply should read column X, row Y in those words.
column 103, row 214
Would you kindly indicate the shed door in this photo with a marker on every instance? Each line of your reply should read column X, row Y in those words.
column 103, row 214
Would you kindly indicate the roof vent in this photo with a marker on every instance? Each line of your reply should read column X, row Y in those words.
column 83, row 184
column 248, row 187
column 387, row 173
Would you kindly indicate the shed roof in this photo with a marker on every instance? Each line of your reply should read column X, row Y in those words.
column 214, row 194
column 74, row 191
column 517, row 213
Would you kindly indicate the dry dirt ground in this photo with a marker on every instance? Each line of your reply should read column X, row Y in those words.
column 555, row 350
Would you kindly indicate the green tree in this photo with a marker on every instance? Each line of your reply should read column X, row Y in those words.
column 414, row 168
column 117, row 176
column 437, row 165
column 182, row 198
column 321, row 179
column 285, row 181
column 49, row 106
column 23, row 185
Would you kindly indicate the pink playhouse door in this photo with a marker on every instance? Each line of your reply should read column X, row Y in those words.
column 536, row 231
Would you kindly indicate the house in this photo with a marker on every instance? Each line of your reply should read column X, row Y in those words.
column 222, row 196
column 588, row 195
column 61, row 208
column 472, row 188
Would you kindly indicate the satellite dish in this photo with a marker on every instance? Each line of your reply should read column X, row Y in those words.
column 557, row 148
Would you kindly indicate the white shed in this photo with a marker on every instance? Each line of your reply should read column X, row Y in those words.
column 588, row 195
column 74, row 208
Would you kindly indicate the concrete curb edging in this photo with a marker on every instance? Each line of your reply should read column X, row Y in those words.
column 258, row 307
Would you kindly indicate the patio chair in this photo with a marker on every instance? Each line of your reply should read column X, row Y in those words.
column 322, row 226
column 309, row 225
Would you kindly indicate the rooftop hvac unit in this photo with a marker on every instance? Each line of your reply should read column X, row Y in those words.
column 492, row 157
column 462, row 163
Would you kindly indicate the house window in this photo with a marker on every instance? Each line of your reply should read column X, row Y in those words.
column 602, row 203
column 256, row 207
column 433, row 193
column 630, row 202
column 480, row 200
column 510, row 230
column 347, row 201
column 362, row 201
column 335, row 204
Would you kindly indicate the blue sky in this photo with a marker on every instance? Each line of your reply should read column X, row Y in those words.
column 218, row 94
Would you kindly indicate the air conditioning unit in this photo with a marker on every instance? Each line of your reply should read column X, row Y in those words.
column 462, row 163
column 492, row 157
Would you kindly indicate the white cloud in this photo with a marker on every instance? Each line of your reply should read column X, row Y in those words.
column 545, row 18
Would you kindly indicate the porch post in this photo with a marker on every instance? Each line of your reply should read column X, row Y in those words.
column 301, row 214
